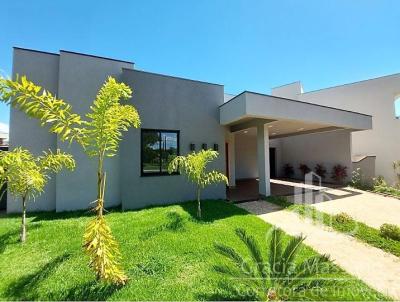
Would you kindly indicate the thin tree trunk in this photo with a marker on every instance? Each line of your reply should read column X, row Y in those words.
column 198, row 203
column 101, row 184
column 100, row 193
column 23, row 223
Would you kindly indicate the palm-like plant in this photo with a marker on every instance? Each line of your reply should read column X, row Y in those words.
column 273, row 277
column 26, row 175
column 194, row 166
column 99, row 135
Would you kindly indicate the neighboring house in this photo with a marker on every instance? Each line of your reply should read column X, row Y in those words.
column 254, row 133
column 379, row 97
column 3, row 135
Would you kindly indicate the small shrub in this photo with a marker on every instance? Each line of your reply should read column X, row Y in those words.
column 304, row 169
column 381, row 186
column 343, row 218
column 357, row 180
column 390, row 231
column 320, row 170
column 379, row 181
column 339, row 173
column 288, row 170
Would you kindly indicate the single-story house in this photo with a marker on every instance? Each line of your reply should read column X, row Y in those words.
column 256, row 134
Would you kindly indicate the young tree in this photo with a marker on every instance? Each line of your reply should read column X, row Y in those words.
column 99, row 135
column 26, row 175
column 194, row 166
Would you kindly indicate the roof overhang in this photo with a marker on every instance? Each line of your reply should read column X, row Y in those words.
column 249, row 109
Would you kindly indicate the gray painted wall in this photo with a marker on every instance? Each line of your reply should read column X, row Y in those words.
column 328, row 148
column 246, row 155
column 174, row 104
column 42, row 68
column 80, row 78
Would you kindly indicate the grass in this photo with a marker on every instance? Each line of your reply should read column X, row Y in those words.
column 167, row 253
column 387, row 190
column 354, row 228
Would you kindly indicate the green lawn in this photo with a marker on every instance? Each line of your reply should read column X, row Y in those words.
column 165, row 260
column 357, row 229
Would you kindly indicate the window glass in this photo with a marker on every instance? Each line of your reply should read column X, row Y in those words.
column 169, row 149
column 151, row 152
column 397, row 107
column 159, row 147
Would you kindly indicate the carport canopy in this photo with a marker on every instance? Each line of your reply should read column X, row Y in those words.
column 276, row 117
column 288, row 116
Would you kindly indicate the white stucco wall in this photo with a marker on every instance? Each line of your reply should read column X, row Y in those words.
column 246, row 156
column 374, row 97
column 290, row 91
column 367, row 167
column 328, row 148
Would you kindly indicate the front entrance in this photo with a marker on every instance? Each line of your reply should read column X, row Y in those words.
column 272, row 163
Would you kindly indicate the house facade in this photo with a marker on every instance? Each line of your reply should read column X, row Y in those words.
column 255, row 134
column 376, row 97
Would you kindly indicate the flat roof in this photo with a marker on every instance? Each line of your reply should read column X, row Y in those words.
column 292, row 100
column 94, row 56
column 73, row 52
column 252, row 105
column 170, row 76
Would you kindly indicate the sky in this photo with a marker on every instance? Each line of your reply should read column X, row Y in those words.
column 243, row 44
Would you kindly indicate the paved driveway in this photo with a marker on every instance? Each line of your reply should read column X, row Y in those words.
column 369, row 208
column 375, row 267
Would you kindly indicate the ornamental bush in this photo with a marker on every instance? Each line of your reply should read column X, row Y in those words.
column 391, row 231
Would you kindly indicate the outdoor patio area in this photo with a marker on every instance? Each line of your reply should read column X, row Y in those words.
column 247, row 189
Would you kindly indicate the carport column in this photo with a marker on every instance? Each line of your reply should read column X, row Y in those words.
column 231, row 158
column 264, row 188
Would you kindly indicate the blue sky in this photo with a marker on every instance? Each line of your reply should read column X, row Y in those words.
column 252, row 45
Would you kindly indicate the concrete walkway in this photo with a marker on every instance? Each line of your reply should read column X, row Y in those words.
column 369, row 208
column 378, row 269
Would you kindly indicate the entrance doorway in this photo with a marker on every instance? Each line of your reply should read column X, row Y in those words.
column 272, row 163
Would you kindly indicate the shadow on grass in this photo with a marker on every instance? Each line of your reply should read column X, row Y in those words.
column 212, row 210
column 45, row 216
column 176, row 223
column 12, row 237
column 89, row 291
column 26, row 287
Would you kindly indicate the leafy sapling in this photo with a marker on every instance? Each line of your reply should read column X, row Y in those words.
column 99, row 134
column 194, row 166
column 26, row 175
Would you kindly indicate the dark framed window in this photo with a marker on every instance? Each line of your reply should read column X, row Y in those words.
column 158, row 148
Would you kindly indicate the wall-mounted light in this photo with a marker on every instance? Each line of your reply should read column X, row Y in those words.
column 192, row 147
column 215, row 147
column 204, row 146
